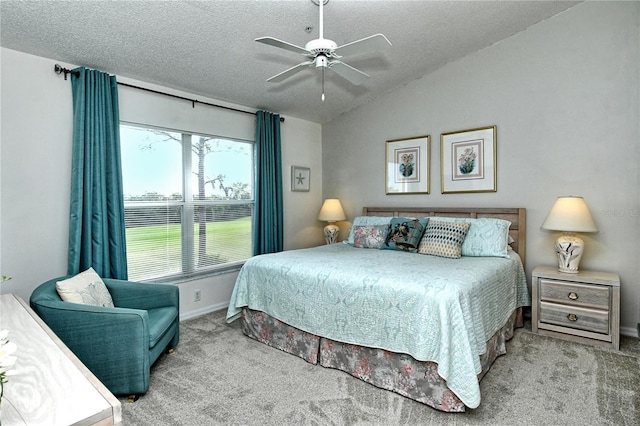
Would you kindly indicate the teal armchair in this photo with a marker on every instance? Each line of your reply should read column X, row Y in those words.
column 119, row 345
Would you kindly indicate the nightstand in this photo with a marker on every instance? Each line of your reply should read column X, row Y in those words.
column 582, row 307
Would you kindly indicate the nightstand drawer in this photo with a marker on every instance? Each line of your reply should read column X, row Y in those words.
column 593, row 320
column 568, row 293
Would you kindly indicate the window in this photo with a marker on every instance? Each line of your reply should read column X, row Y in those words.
column 188, row 201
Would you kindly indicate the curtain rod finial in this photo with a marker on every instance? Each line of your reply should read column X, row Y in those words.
column 59, row 70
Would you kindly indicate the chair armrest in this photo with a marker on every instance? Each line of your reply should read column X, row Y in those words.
column 135, row 295
column 64, row 316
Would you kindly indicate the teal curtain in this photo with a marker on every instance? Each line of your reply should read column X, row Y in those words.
column 267, row 217
column 96, row 223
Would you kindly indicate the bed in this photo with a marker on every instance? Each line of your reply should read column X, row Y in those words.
column 425, row 326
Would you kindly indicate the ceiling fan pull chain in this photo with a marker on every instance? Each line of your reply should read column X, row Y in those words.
column 322, row 80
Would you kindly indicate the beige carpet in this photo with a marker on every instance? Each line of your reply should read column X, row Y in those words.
column 217, row 376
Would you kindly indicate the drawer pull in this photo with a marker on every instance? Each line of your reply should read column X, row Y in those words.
column 573, row 295
column 572, row 317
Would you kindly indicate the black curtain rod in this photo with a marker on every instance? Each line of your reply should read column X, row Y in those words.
column 59, row 70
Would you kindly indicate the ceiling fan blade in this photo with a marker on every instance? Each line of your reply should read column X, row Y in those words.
column 288, row 73
column 348, row 72
column 367, row 44
column 283, row 45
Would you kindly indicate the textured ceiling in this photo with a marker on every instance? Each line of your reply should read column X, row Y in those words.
column 208, row 48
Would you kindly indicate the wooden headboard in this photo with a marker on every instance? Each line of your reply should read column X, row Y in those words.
column 517, row 217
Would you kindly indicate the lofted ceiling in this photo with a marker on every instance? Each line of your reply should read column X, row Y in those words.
column 207, row 47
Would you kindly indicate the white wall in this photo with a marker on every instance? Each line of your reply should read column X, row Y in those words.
column 564, row 95
column 302, row 146
column 36, row 159
column 36, row 171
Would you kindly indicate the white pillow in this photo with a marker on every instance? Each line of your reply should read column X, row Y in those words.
column 487, row 237
column 86, row 288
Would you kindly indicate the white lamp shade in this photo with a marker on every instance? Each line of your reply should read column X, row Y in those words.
column 570, row 214
column 331, row 211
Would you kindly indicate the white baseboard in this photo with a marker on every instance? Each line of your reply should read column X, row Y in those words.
column 206, row 310
column 629, row 331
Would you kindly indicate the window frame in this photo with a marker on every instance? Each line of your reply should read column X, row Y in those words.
column 188, row 206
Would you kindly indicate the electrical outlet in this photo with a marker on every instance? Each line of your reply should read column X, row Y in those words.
column 197, row 296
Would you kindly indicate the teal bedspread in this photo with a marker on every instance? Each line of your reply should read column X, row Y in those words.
column 432, row 308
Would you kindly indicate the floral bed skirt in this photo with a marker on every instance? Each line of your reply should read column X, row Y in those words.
column 396, row 372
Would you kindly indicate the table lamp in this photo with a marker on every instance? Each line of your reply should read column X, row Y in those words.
column 569, row 214
column 331, row 212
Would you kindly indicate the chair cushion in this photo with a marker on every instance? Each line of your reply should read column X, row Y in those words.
column 160, row 320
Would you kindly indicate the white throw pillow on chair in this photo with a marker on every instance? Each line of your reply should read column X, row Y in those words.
column 86, row 288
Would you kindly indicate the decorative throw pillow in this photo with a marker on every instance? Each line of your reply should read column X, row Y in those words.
column 86, row 288
column 404, row 234
column 370, row 236
column 366, row 221
column 487, row 237
column 443, row 239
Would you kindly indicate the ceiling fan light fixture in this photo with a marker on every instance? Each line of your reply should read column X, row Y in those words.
column 321, row 61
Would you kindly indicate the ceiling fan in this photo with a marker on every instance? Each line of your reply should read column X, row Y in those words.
column 325, row 54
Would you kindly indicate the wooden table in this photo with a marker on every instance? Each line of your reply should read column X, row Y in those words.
column 52, row 387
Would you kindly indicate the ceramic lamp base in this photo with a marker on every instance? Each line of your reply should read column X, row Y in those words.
column 331, row 232
column 569, row 249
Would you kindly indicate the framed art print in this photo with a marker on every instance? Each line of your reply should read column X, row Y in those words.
column 300, row 178
column 407, row 165
column 468, row 160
